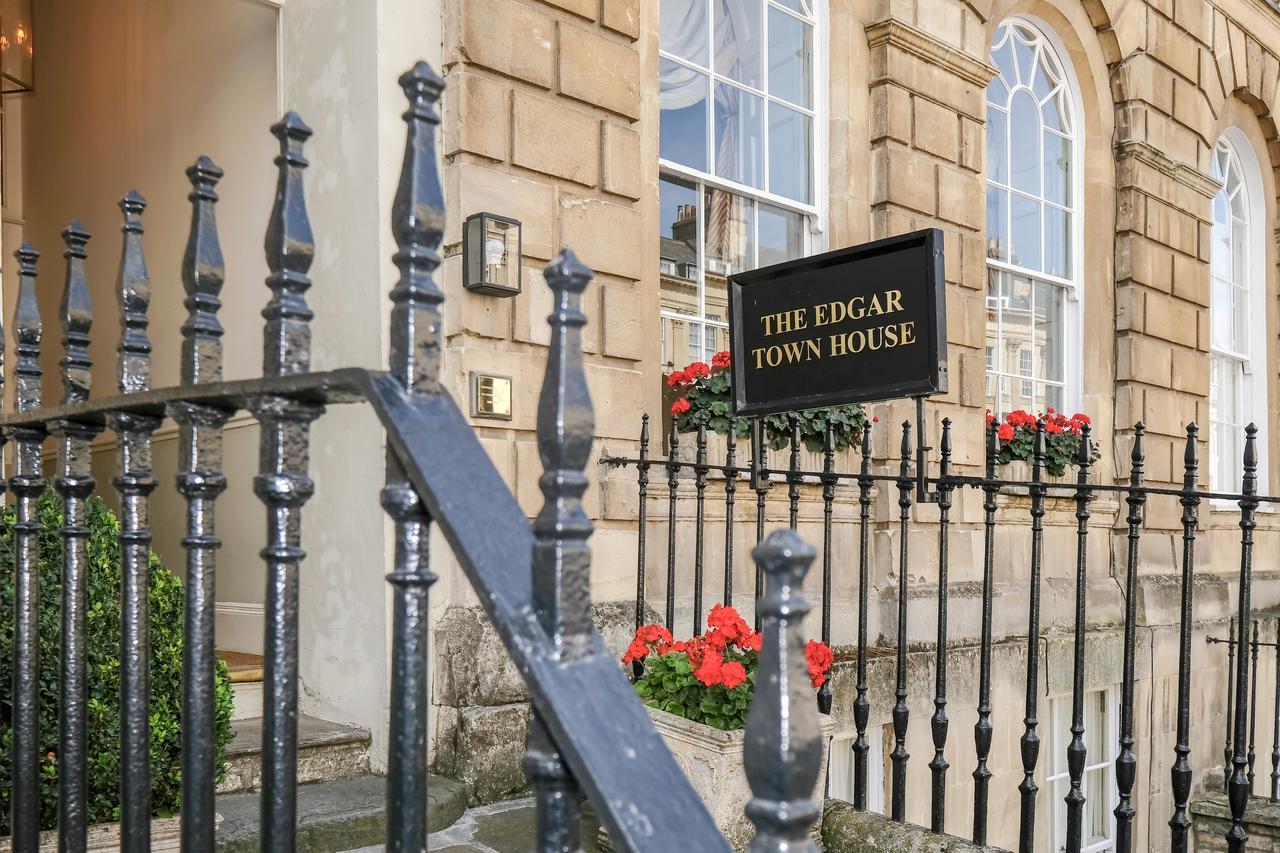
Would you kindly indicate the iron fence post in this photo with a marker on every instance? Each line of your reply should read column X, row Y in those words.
column 134, row 483
column 783, row 745
column 1077, row 751
column 901, row 714
column 1238, row 786
column 417, row 223
column 1126, row 761
column 26, row 483
column 982, row 729
column 1030, row 743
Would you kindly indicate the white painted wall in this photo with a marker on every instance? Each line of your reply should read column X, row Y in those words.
column 129, row 94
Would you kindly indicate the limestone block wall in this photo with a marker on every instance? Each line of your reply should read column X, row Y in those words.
column 552, row 116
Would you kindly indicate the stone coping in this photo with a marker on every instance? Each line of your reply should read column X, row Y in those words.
column 847, row 830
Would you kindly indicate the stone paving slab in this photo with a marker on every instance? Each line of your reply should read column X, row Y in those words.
column 506, row 827
column 338, row 815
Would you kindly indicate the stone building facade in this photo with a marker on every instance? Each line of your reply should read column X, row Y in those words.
column 572, row 115
column 1146, row 290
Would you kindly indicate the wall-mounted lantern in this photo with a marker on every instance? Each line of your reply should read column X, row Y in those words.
column 491, row 252
column 17, row 47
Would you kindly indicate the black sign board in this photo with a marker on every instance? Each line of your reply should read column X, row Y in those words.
column 863, row 323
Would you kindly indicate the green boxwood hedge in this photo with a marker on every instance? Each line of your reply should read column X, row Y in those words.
column 103, row 627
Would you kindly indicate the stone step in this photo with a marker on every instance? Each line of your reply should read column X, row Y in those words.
column 344, row 814
column 326, row 751
column 246, row 700
column 245, row 670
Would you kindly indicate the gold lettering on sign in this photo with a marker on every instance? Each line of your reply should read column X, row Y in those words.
column 882, row 336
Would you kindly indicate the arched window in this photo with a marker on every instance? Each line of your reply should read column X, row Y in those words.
column 1033, row 220
column 738, row 147
column 1237, row 311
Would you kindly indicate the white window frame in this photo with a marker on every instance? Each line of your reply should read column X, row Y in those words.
column 814, row 236
column 1073, row 364
column 1100, row 754
column 1255, row 390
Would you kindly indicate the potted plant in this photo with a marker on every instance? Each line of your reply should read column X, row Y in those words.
column 1062, row 435
column 701, row 395
column 698, row 692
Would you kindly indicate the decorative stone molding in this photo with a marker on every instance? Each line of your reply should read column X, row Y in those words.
column 1149, row 155
column 893, row 33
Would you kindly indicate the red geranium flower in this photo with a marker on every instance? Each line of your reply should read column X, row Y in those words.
column 709, row 670
column 726, row 621
column 818, row 657
column 732, row 674
column 753, row 642
column 679, row 407
column 720, row 359
column 654, row 634
column 636, row 651
column 697, row 370
column 677, row 377
column 1005, row 431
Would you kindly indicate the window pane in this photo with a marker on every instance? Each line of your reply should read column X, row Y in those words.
column 1220, row 313
column 1002, row 57
column 1240, row 319
column 790, row 58
column 683, row 29
column 730, row 231
column 995, row 355
column 1057, row 242
column 1057, row 168
column 680, row 340
column 683, row 125
column 997, row 223
column 1015, row 327
column 781, row 235
column 1220, row 249
column 1097, row 811
column 997, row 145
column 1043, row 82
column 678, row 253
column 1095, row 726
column 1024, row 143
column 1050, row 330
column 802, row 6
column 1025, row 248
column 790, row 153
column 1058, row 803
column 1022, row 40
column 1049, row 396
column 1239, row 252
column 739, row 143
column 736, row 40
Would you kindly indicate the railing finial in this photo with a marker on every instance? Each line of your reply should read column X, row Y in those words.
column 133, row 293
column 203, row 273
column 992, row 447
column 566, row 424
column 289, row 247
column 1249, row 482
column 1038, row 452
column 783, row 745
column 1191, row 458
column 27, row 331
column 1138, row 456
column 76, row 316
column 944, row 468
column 417, row 222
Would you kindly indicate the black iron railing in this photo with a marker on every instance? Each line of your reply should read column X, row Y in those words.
column 685, row 571
column 589, row 732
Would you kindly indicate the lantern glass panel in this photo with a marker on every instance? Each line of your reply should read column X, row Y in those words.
column 17, row 47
